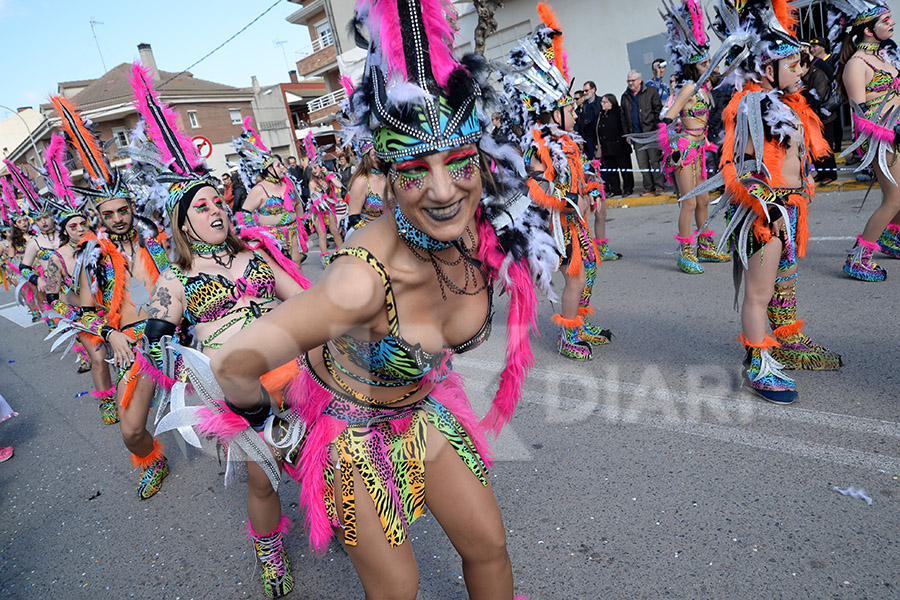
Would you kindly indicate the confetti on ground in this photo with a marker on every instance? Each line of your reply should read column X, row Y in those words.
column 80, row 394
column 854, row 493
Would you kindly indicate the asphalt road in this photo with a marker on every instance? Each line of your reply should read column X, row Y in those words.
column 646, row 473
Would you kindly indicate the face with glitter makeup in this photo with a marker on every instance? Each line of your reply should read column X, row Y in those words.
column 206, row 220
column 44, row 223
column 884, row 27
column 116, row 215
column 439, row 192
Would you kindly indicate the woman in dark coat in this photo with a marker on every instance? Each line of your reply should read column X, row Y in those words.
column 615, row 151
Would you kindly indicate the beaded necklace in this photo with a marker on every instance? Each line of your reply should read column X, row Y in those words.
column 418, row 241
column 128, row 236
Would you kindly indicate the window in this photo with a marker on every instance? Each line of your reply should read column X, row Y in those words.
column 192, row 117
column 121, row 136
column 323, row 30
column 235, row 116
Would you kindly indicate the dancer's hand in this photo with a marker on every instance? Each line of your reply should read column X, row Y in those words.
column 776, row 226
column 120, row 343
column 42, row 284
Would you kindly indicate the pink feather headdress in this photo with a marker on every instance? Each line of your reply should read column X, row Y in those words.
column 22, row 181
column 57, row 173
column 162, row 125
column 9, row 197
column 252, row 135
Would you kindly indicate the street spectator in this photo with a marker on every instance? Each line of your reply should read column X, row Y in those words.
column 238, row 191
column 227, row 192
column 641, row 108
column 586, row 125
column 344, row 171
column 614, row 149
column 658, row 82
column 817, row 90
column 294, row 169
column 579, row 99
column 833, row 104
column 498, row 132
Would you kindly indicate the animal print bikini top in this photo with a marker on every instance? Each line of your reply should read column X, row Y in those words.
column 213, row 297
column 274, row 205
column 882, row 83
column 392, row 360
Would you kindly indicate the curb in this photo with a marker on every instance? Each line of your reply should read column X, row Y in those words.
column 619, row 202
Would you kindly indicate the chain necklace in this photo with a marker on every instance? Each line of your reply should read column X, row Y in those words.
column 205, row 250
column 868, row 47
column 423, row 247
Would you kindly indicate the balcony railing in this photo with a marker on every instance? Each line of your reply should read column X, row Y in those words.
column 319, row 43
column 327, row 100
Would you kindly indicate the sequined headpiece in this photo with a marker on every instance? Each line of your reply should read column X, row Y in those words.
column 415, row 98
column 843, row 15
column 538, row 81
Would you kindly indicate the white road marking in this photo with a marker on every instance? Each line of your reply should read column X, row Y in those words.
column 18, row 315
column 677, row 411
column 832, row 238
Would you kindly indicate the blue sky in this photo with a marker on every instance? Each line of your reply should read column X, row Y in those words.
column 43, row 42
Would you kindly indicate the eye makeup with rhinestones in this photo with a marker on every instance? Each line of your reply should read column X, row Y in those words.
column 462, row 164
column 409, row 174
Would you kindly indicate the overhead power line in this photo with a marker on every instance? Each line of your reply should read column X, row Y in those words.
column 220, row 46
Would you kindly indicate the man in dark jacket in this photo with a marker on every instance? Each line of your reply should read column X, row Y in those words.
column 641, row 108
column 587, row 120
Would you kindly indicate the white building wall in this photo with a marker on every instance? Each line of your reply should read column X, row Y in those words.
column 596, row 35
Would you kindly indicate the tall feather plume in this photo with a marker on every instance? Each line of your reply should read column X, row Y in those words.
column 438, row 17
column 786, row 14
column 254, row 137
column 550, row 19
column 310, row 146
column 347, row 84
column 162, row 124
column 57, row 172
column 92, row 157
column 9, row 196
column 696, row 14
column 22, row 182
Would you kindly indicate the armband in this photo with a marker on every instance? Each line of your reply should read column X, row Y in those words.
column 353, row 220
column 95, row 323
column 51, row 298
column 667, row 121
column 257, row 415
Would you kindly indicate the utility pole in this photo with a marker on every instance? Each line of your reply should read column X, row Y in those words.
column 93, row 22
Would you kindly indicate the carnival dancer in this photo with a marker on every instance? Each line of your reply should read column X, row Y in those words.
column 377, row 331
column 367, row 189
column 771, row 137
column 601, row 242
column 540, row 83
column 273, row 202
column 39, row 246
column 684, row 147
column 324, row 200
column 217, row 284
column 62, row 273
column 119, row 266
column 869, row 77
column 19, row 231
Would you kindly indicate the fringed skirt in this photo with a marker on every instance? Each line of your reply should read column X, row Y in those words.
column 385, row 445
column 744, row 238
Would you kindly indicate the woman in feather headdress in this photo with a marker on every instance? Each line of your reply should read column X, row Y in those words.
column 771, row 137
column 684, row 153
column 870, row 78
column 325, row 200
column 273, row 198
column 377, row 331
column 218, row 282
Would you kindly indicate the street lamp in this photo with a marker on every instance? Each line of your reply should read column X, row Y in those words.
column 27, row 128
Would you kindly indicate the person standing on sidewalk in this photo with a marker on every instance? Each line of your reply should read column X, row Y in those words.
column 641, row 108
